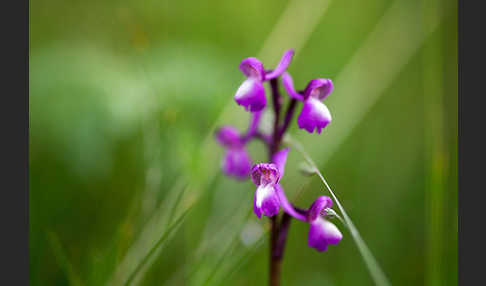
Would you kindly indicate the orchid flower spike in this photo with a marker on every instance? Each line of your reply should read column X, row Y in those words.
column 236, row 161
column 251, row 93
column 314, row 114
column 321, row 232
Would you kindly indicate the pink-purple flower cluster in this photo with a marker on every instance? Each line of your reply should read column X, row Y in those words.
column 269, row 196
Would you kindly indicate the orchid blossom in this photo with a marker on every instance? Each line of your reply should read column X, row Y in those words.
column 314, row 114
column 251, row 93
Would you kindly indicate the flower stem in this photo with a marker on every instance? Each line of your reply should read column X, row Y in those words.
column 278, row 231
column 288, row 117
column 277, row 104
column 282, row 236
column 275, row 263
column 273, row 147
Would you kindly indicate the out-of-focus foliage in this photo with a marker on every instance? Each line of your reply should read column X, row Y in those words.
column 124, row 96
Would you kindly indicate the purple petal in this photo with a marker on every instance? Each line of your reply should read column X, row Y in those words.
column 237, row 163
column 279, row 159
column 322, row 233
column 314, row 115
column 317, row 206
column 286, row 204
column 282, row 65
column 251, row 94
column 266, row 201
column 254, row 122
column 264, row 174
column 315, row 239
column 252, row 68
column 318, row 88
column 288, row 84
column 228, row 136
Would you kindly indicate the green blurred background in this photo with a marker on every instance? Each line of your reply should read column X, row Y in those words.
column 125, row 97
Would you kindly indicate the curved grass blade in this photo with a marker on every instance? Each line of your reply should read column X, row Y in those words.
column 241, row 261
column 162, row 239
column 376, row 273
column 176, row 204
column 62, row 259
column 221, row 261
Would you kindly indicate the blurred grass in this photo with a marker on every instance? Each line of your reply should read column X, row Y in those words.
column 123, row 95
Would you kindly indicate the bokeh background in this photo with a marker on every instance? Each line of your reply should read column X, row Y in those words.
column 125, row 97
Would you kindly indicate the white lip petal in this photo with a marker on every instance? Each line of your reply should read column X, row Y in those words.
column 329, row 230
column 262, row 192
column 244, row 88
column 319, row 109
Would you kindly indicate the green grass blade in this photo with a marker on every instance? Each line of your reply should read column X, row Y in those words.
column 240, row 261
column 62, row 259
column 376, row 273
column 436, row 153
column 162, row 239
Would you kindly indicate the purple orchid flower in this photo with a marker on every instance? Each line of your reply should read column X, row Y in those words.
column 322, row 232
column 314, row 114
column 266, row 176
column 236, row 161
column 251, row 93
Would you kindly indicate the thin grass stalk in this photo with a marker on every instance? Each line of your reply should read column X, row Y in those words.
column 376, row 273
column 435, row 151
column 155, row 247
column 62, row 259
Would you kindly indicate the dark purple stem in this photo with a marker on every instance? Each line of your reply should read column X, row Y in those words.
column 283, row 231
column 277, row 103
column 282, row 236
column 279, row 232
column 275, row 263
column 288, row 117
